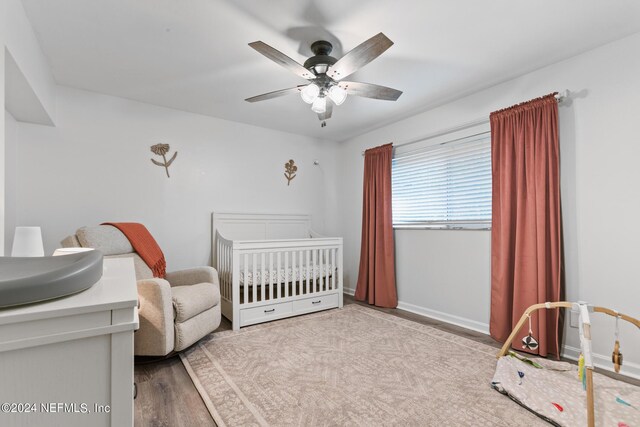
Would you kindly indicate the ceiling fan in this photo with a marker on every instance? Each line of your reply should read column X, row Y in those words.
column 326, row 73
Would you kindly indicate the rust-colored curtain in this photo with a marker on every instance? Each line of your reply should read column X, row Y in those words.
column 526, row 235
column 376, row 278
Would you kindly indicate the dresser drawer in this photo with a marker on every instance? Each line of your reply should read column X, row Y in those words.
column 318, row 303
column 37, row 329
column 264, row 313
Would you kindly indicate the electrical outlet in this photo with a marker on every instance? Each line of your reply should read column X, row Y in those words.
column 574, row 319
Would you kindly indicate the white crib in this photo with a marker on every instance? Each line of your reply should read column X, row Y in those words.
column 272, row 266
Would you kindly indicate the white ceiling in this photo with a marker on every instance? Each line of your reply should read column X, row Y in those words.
column 192, row 55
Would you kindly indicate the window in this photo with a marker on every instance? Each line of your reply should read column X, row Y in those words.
column 445, row 183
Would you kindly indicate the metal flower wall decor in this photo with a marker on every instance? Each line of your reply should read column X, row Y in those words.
column 162, row 150
column 290, row 171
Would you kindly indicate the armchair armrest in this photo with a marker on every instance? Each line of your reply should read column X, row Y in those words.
column 155, row 336
column 192, row 276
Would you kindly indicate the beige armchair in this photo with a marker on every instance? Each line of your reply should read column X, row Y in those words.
column 175, row 312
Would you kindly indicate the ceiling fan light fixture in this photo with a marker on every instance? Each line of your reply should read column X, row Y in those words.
column 310, row 93
column 337, row 94
column 325, row 74
column 319, row 105
column 321, row 68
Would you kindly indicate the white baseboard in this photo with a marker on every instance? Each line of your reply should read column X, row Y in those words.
column 437, row 315
column 445, row 317
column 629, row 369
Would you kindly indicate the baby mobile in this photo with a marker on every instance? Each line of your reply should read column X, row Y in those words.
column 529, row 342
column 616, row 356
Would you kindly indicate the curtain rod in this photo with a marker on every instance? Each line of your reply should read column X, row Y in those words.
column 560, row 97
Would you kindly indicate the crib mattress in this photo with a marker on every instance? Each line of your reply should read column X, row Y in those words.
column 553, row 391
column 278, row 276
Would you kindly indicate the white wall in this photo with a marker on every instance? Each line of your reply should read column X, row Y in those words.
column 18, row 38
column 23, row 45
column 8, row 189
column 95, row 166
column 2, row 136
column 447, row 273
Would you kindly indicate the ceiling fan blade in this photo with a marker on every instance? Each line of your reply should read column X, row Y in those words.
column 282, row 59
column 275, row 94
column 360, row 56
column 369, row 90
column 329, row 110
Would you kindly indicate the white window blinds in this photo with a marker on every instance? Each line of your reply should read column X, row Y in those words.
column 447, row 185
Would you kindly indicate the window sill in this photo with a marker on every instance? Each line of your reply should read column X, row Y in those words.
column 466, row 227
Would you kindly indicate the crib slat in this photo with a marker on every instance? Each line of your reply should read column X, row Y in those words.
column 221, row 267
column 320, row 266
column 254, row 288
column 278, row 291
column 222, row 270
column 286, row 274
column 326, row 269
column 231, row 278
column 225, row 272
column 323, row 269
column 235, row 288
column 316, row 270
column 325, row 273
column 306, row 270
column 339, row 272
column 301, row 274
column 327, row 266
column 315, row 283
column 262, row 278
column 333, row 268
column 320, row 269
column 329, row 275
column 294, row 254
column 270, row 275
column 245, row 285
column 298, row 284
column 218, row 258
column 310, row 271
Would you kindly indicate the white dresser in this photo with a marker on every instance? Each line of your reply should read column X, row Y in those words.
column 69, row 362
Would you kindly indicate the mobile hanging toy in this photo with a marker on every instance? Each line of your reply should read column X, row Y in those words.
column 529, row 342
column 616, row 356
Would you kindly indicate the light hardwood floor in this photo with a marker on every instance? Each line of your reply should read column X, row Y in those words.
column 166, row 395
column 168, row 398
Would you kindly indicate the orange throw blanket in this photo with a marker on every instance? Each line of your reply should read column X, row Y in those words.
column 144, row 244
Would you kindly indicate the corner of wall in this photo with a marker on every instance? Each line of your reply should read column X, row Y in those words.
column 2, row 137
column 32, row 65
column 2, row 162
column 33, row 75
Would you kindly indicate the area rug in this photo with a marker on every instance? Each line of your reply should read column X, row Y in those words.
column 353, row 366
